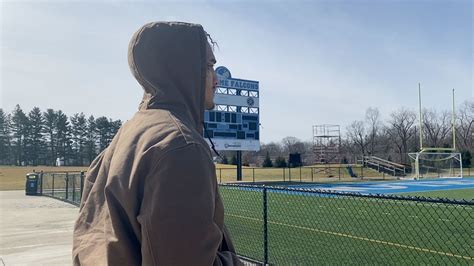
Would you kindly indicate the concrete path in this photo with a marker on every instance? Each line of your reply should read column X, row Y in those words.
column 35, row 230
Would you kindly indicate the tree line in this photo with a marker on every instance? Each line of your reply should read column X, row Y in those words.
column 391, row 138
column 40, row 138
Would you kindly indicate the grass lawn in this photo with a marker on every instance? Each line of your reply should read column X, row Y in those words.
column 227, row 173
column 311, row 230
column 466, row 194
column 13, row 177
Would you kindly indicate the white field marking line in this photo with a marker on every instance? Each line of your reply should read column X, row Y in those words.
column 360, row 238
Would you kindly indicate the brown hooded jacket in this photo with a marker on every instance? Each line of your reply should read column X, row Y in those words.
column 151, row 197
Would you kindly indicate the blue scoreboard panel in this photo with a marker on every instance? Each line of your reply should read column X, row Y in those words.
column 234, row 122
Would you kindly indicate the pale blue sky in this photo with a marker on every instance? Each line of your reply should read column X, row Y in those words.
column 317, row 62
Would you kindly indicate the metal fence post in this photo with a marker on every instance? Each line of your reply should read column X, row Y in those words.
column 362, row 172
column 265, row 227
column 41, row 182
column 289, row 174
column 67, row 186
column 52, row 192
column 300, row 173
column 74, row 188
column 82, row 184
column 284, row 179
column 339, row 172
column 253, row 174
column 220, row 175
column 312, row 175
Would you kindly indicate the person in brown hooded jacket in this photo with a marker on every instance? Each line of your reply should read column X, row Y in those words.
column 151, row 197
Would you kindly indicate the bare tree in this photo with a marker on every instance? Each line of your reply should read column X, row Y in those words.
column 401, row 130
column 436, row 128
column 465, row 126
column 273, row 148
column 374, row 125
column 293, row 145
column 356, row 134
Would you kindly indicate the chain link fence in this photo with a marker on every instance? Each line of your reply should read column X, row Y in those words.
column 324, row 173
column 291, row 226
column 66, row 186
column 284, row 226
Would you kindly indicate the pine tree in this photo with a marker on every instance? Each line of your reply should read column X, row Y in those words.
column 224, row 160
column 267, row 162
column 19, row 130
column 35, row 139
column 63, row 137
column 466, row 158
column 233, row 160
column 103, row 129
column 5, row 138
column 79, row 137
column 91, row 133
column 280, row 162
column 50, row 130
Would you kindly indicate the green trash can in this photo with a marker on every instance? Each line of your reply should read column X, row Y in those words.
column 31, row 186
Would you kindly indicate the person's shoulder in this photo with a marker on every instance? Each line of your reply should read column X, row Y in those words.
column 162, row 129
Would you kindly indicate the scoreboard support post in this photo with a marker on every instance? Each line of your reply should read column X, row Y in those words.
column 239, row 165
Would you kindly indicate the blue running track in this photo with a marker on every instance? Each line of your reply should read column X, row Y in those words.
column 395, row 187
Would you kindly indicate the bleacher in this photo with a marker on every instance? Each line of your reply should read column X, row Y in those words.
column 385, row 166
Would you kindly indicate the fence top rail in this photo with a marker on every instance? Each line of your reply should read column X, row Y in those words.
column 357, row 195
column 306, row 167
column 61, row 172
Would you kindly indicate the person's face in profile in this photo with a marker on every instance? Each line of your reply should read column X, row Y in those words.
column 211, row 78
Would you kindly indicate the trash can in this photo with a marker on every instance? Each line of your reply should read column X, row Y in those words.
column 31, row 186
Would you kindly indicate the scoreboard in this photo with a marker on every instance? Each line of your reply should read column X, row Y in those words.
column 234, row 123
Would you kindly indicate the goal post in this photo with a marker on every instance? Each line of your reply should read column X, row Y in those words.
column 436, row 164
column 432, row 162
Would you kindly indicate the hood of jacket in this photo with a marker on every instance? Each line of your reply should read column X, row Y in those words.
column 168, row 59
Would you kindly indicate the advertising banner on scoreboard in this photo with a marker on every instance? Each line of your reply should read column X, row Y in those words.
column 234, row 123
column 235, row 145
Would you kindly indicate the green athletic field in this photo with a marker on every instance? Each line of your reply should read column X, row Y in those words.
column 466, row 194
column 348, row 230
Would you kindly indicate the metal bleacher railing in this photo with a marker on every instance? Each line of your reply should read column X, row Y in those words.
column 294, row 226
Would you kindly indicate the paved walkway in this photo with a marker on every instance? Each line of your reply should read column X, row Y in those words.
column 35, row 230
